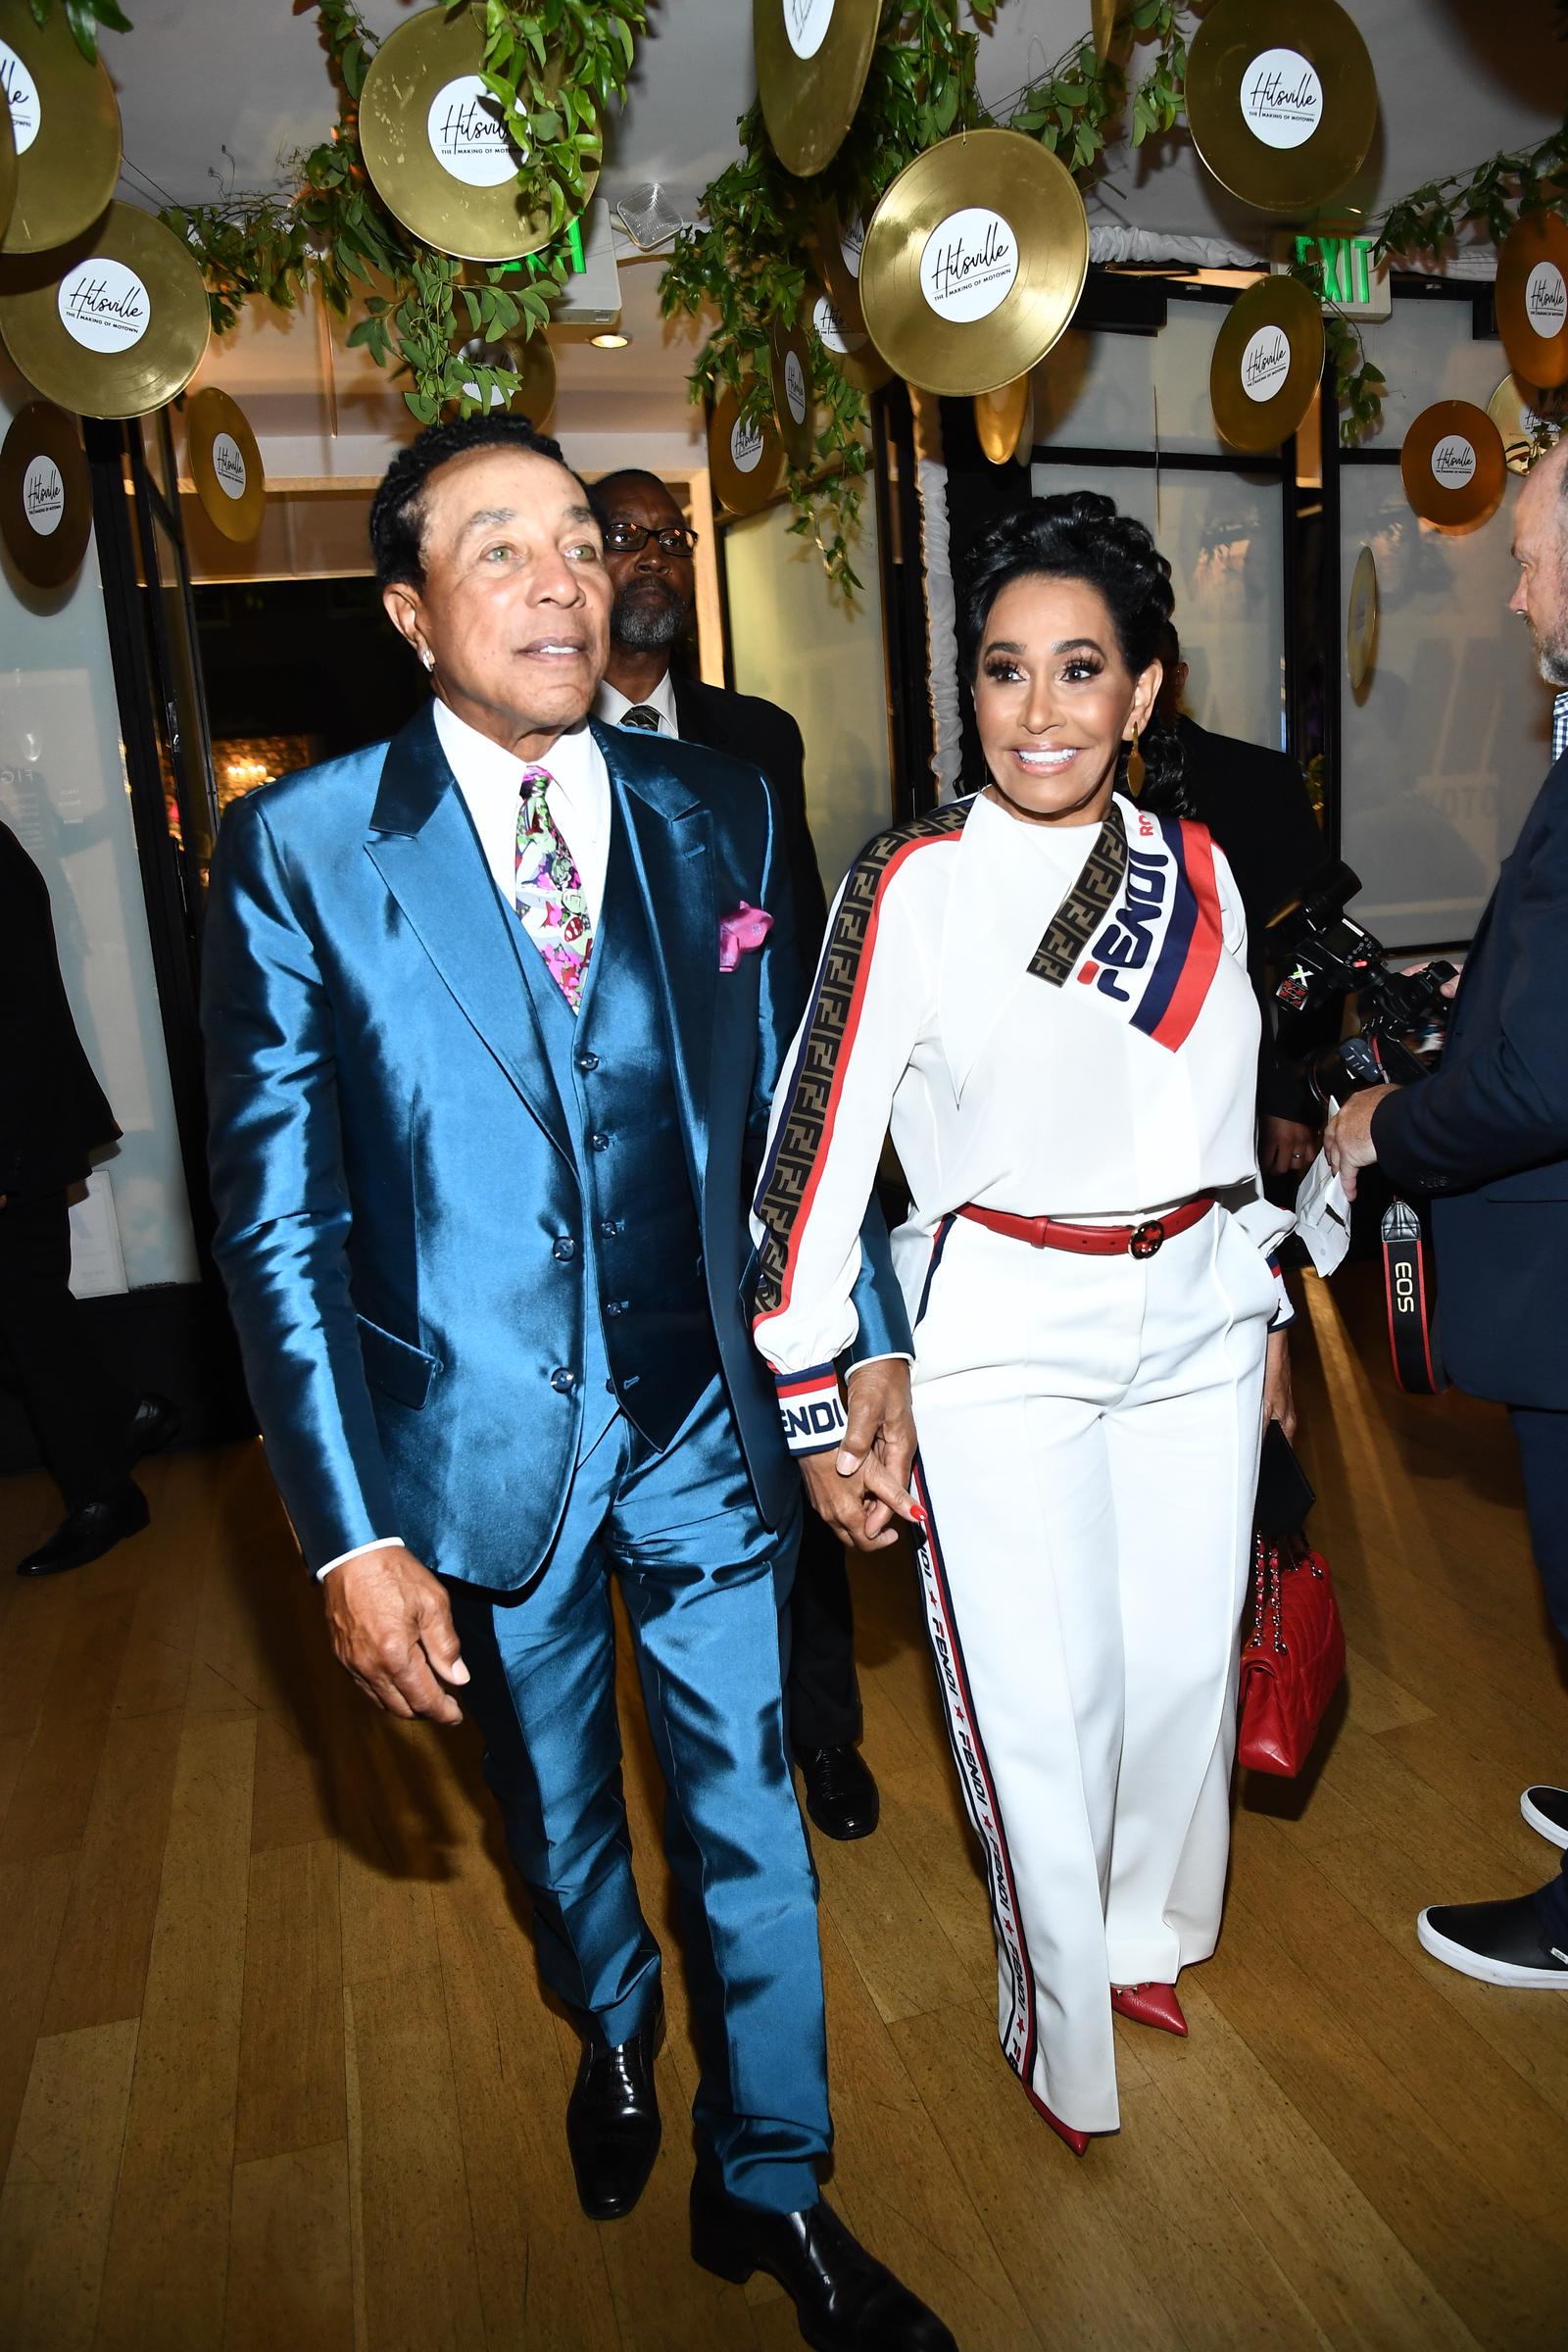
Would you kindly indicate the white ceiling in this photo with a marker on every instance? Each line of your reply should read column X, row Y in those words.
column 216, row 95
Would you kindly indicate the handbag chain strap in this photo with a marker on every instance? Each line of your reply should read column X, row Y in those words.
column 1266, row 1572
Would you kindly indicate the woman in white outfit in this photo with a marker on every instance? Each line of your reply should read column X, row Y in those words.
column 1043, row 990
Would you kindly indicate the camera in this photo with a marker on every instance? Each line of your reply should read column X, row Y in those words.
column 1324, row 956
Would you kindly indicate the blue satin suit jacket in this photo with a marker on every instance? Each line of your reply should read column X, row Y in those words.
column 390, row 1155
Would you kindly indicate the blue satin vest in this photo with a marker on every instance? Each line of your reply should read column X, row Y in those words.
column 641, row 1244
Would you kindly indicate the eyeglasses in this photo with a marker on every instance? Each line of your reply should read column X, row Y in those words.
column 630, row 538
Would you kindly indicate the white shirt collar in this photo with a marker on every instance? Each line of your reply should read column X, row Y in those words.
column 483, row 765
column 611, row 705
column 490, row 780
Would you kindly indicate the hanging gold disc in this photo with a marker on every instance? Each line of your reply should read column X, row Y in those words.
column 123, row 329
column 1281, row 100
column 64, row 124
column 1361, row 621
column 226, row 464
column 840, row 328
column 1532, row 299
column 974, row 261
column 745, row 458
column 840, row 240
column 1528, row 419
column 1103, row 26
column 8, row 166
column 1267, row 363
column 999, row 418
column 1453, row 464
column 530, row 359
column 813, row 57
column 45, row 495
column 436, row 147
column 792, row 395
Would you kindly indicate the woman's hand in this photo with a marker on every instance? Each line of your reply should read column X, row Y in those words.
column 1279, row 1405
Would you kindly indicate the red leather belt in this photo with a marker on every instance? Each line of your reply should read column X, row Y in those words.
column 1094, row 1241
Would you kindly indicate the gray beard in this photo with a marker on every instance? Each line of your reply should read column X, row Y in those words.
column 646, row 627
column 1552, row 656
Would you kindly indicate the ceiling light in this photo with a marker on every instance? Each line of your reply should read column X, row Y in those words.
column 610, row 342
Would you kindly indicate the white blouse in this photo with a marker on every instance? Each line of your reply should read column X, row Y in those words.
column 1127, row 1087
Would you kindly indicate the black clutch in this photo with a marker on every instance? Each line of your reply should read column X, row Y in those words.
column 1284, row 1493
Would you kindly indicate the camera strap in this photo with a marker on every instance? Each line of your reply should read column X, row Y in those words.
column 1411, row 1303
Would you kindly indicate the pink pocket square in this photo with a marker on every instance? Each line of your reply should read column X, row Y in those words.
column 740, row 933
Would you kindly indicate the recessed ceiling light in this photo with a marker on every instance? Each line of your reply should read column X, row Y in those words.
column 615, row 342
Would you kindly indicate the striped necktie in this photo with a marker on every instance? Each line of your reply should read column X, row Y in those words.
column 548, row 890
column 643, row 716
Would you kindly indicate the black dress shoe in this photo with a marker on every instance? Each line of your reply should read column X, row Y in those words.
column 841, row 1795
column 845, row 2299
column 612, row 2120
column 87, row 1533
column 154, row 1425
column 1500, row 1943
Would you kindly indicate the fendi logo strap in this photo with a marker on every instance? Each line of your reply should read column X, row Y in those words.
column 1084, row 908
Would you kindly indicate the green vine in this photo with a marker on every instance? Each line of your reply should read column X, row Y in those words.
column 554, row 68
column 745, row 266
column 84, row 17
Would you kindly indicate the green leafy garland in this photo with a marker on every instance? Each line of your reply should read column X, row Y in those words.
column 554, row 67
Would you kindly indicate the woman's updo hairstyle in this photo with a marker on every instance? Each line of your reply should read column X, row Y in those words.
column 1082, row 536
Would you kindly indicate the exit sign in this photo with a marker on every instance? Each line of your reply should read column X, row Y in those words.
column 1352, row 282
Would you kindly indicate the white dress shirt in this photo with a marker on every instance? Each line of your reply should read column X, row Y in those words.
column 490, row 780
column 611, row 705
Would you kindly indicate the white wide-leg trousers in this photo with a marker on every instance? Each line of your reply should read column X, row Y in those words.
column 1089, row 1440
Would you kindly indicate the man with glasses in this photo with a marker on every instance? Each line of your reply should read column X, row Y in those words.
column 648, row 552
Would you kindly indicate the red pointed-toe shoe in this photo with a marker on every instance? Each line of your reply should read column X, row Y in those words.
column 1078, row 2142
column 1150, row 2005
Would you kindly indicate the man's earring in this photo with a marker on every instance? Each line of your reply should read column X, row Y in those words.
column 1135, row 767
column 426, row 656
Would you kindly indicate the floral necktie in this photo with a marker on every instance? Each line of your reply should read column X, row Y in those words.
column 550, row 899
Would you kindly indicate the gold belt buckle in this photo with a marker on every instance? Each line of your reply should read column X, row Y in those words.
column 1148, row 1240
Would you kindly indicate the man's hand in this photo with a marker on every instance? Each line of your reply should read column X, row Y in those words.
column 1279, row 1402
column 1285, row 1147
column 859, row 1490
column 391, row 1626
column 1348, row 1137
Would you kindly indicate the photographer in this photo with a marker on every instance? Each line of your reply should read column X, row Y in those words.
column 1488, row 1136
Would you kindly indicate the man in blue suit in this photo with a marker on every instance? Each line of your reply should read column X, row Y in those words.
column 495, row 1013
column 1487, row 1135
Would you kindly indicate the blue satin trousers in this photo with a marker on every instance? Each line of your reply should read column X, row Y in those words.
column 705, row 1583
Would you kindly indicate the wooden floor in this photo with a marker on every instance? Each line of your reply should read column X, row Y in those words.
column 276, row 2070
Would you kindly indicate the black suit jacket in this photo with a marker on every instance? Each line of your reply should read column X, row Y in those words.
column 53, row 1115
column 1256, row 805
column 763, row 735
column 1487, row 1133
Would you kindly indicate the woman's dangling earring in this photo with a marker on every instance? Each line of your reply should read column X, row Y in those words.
column 1135, row 767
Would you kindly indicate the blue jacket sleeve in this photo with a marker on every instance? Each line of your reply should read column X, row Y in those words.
column 281, row 1196
column 1503, row 1102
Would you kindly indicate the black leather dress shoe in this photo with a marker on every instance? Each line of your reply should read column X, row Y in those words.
column 845, row 2299
column 841, row 1795
column 1500, row 1943
column 87, row 1533
column 613, row 2121
column 154, row 1425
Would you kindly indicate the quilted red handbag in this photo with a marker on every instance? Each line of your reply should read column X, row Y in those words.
column 1291, row 1661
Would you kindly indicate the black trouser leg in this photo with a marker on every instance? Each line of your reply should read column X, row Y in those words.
column 81, row 1413
column 1543, row 1452
column 825, row 1698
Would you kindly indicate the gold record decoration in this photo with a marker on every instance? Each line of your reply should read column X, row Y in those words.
column 226, row 464
column 792, row 395
column 746, row 459
column 1453, row 464
column 840, row 243
column 123, row 329
column 65, row 123
column 813, row 57
column 1103, row 26
column 1281, row 100
column 974, row 261
column 436, row 147
column 1267, row 363
column 1528, row 419
column 1000, row 419
column 531, row 359
column 840, row 327
column 1361, row 621
column 45, row 495
column 7, row 165
column 1532, row 299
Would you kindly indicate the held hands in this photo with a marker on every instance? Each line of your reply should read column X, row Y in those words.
column 391, row 1626
column 860, row 1490
column 1279, row 1402
column 1347, row 1138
